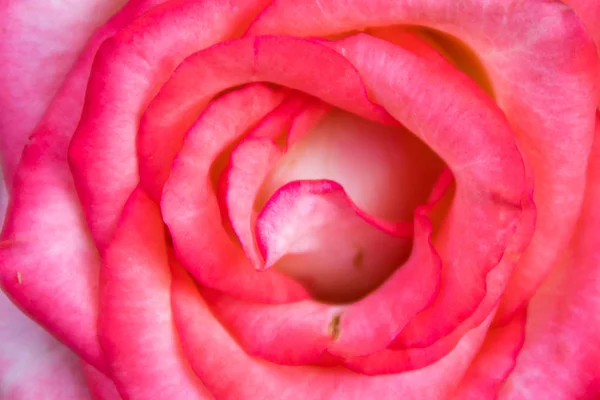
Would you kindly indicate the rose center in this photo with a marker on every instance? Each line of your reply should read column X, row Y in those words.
column 385, row 171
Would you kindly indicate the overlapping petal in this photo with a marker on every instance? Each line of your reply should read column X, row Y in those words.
column 561, row 354
column 527, row 50
column 39, row 43
column 44, row 205
column 157, row 125
column 135, row 310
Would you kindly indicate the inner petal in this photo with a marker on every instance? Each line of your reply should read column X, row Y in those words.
column 339, row 247
column 385, row 170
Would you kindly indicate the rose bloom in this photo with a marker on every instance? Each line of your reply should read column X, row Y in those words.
column 320, row 199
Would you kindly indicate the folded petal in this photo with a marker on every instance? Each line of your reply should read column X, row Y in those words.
column 136, row 328
column 527, row 50
column 191, row 210
column 128, row 71
column 223, row 372
column 314, row 232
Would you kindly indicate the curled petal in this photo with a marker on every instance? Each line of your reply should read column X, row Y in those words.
column 191, row 210
column 250, row 162
column 300, row 333
column 492, row 199
column 317, row 217
column 201, row 334
column 128, row 70
column 526, row 47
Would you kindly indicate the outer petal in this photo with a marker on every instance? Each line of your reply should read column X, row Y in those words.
column 34, row 365
column 527, row 48
column 492, row 199
column 136, row 326
column 39, row 43
column 229, row 64
column 232, row 374
column 495, row 361
column 100, row 387
column 45, row 230
column 561, row 356
column 128, row 71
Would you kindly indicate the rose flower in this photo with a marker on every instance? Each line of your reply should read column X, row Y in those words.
column 288, row 199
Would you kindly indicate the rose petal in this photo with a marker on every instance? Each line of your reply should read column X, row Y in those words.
column 39, row 43
column 561, row 357
column 250, row 162
column 495, row 361
column 45, row 229
column 232, row 374
column 589, row 12
column 190, row 207
column 527, row 49
column 100, row 387
column 492, row 199
column 385, row 170
column 310, row 225
column 34, row 365
column 128, row 71
column 299, row 333
column 235, row 63
column 136, row 328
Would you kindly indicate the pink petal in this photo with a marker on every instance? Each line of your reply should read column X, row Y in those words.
column 527, row 49
column 492, row 199
column 589, row 12
column 561, row 357
column 136, row 328
column 39, row 43
column 230, row 373
column 100, row 387
column 495, row 361
column 128, row 71
column 311, row 225
column 206, row 73
column 250, row 162
column 191, row 210
column 34, row 365
column 299, row 333
column 385, row 170
column 45, row 229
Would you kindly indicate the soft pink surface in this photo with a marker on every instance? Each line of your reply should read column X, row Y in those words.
column 134, row 135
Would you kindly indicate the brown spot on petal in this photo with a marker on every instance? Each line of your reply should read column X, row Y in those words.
column 359, row 258
column 334, row 326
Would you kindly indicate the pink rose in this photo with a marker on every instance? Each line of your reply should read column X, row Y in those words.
column 379, row 199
